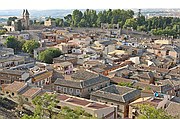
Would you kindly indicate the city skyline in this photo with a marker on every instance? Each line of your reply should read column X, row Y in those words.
column 88, row 4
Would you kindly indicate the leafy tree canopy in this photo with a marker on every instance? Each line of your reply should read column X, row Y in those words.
column 10, row 19
column 12, row 42
column 149, row 112
column 45, row 104
column 2, row 32
column 48, row 55
column 130, row 23
column 30, row 45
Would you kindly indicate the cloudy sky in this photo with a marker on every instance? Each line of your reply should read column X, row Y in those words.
column 84, row 4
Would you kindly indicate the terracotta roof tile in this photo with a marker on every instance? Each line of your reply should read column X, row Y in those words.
column 97, row 106
column 81, row 102
column 63, row 97
column 31, row 92
column 78, row 101
column 42, row 76
column 15, row 86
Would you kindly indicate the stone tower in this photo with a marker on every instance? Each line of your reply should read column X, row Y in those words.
column 23, row 13
column 26, row 19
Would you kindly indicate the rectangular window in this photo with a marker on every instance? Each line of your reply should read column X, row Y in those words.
column 89, row 89
column 58, row 88
column 71, row 90
column 65, row 90
column 77, row 91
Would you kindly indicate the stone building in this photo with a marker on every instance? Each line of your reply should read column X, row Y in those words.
column 81, row 83
column 120, row 96
column 9, row 76
column 49, row 23
column 96, row 109
column 20, row 23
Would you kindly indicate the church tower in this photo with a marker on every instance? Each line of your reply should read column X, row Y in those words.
column 26, row 19
column 23, row 13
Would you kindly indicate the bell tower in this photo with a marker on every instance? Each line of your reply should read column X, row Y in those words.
column 26, row 18
column 23, row 13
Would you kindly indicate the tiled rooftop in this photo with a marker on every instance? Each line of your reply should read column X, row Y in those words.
column 148, row 100
column 78, row 101
column 13, row 72
column 83, row 75
column 63, row 97
column 64, row 64
column 120, row 90
column 31, row 92
column 15, row 86
column 117, row 93
column 97, row 106
column 42, row 76
column 92, row 62
column 81, row 102
column 173, row 109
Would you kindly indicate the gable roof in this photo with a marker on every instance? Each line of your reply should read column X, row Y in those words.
column 15, row 86
column 83, row 75
column 41, row 75
column 32, row 92
column 84, row 103
column 12, row 72
column 78, row 81
column 63, row 64
column 118, row 93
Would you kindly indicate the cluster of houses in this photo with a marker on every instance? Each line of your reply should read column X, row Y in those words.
column 90, row 73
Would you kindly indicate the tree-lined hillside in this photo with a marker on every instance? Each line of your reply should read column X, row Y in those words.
column 167, row 26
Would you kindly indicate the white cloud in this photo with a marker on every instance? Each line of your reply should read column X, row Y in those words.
column 91, row 4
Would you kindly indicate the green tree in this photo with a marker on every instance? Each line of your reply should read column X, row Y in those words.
column 20, row 44
column 2, row 32
column 77, row 113
column 59, row 22
column 93, row 18
column 130, row 23
column 68, row 20
column 126, row 84
column 10, row 19
column 19, row 26
column 27, row 117
column 48, row 55
column 82, row 23
column 141, row 28
column 30, row 45
column 77, row 15
column 108, row 16
column 141, row 20
column 12, row 42
column 149, row 112
column 45, row 104
column 90, row 17
column 101, row 18
column 87, row 17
